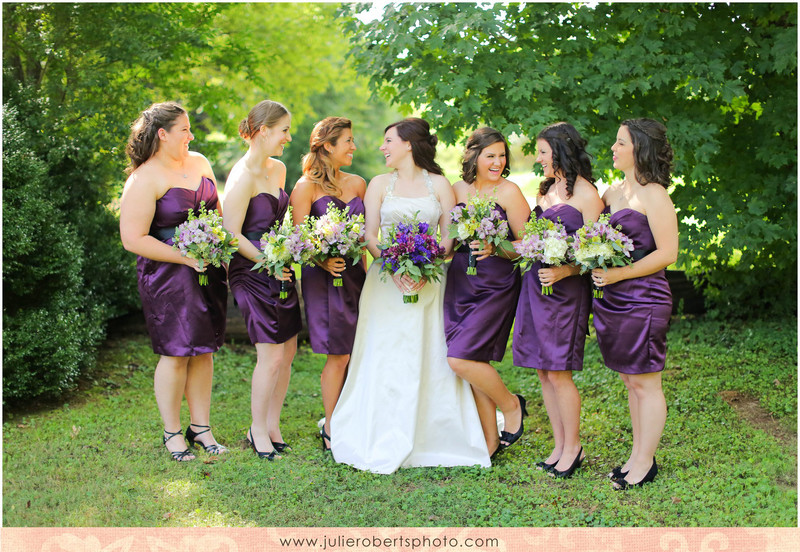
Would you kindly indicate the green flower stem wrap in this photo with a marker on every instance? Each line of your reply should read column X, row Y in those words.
column 337, row 282
column 547, row 290
column 414, row 298
column 203, row 280
column 597, row 292
column 472, row 267
column 284, row 289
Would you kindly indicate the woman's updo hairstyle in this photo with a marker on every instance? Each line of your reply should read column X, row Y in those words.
column 476, row 143
column 266, row 113
column 652, row 154
column 417, row 132
column 569, row 156
column 143, row 142
column 317, row 165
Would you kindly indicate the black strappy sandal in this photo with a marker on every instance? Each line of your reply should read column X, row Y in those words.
column 507, row 439
column 178, row 455
column 265, row 455
column 280, row 447
column 323, row 436
column 191, row 436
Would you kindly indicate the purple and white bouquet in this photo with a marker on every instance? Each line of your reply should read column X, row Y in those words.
column 601, row 245
column 411, row 248
column 282, row 245
column 477, row 220
column 335, row 234
column 203, row 237
column 546, row 242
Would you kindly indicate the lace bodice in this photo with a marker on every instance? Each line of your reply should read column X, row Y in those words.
column 394, row 208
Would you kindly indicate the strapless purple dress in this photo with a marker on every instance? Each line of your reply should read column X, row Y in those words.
column 183, row 318
column 550, row 332
column 632, row 318
column 268, row 318
column 479, row 309
column 332, row 312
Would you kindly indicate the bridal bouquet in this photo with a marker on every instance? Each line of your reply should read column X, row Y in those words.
column 411, row 248
column 477, row 220
column 282, row 245
column 600, row 245
column 335, row 234
column 544, row 241
column 203, row 237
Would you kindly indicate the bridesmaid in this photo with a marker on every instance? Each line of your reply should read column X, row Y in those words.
column 186, row 321
column 550, row 331
column 470, row 301
column 331, row 312
column 254, row 200
column 632, row 318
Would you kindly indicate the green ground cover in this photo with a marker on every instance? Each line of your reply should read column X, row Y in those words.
column 728, row 456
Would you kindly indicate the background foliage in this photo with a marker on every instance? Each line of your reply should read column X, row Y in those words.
column 722, row 77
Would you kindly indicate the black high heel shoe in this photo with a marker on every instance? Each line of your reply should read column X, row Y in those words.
column 507, row 439
column 545, row 466
column 280, row 447
column 566, row 474
column 323, row 435
column 177, row 455
column 266, row 455
column 191, row 437
column 623, row 485
column 617, row 473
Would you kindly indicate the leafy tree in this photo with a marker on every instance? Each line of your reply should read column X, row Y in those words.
column 722, row 77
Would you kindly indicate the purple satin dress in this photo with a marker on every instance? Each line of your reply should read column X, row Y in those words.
column 550, row 332
column 183, row 318
column 268, row 318
column 332, row 312
column 479, row 309
column 632, row 318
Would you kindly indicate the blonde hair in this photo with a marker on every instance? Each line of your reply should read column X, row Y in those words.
column 143, row 142
column 317, row 163
column 266, row 113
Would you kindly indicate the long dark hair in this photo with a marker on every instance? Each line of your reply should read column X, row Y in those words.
column 417, row 132
column 476, row 143
column 143, row 142
column 652, row 154
column 569, row 155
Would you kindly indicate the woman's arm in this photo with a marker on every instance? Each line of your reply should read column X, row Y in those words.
column 663, row 222
column 137, row 208
column 372, row 218
column 238, row 192
column 447, row 199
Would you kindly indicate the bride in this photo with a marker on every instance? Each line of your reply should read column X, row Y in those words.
column 401, row 405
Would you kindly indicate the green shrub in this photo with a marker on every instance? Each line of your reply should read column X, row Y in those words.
column 61, row 280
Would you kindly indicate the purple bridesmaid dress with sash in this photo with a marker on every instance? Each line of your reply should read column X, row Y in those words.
column 550, row 331
column 632, row 318
column 183, row 318
column 332, row 312
column 268, row 318
column 479, row 309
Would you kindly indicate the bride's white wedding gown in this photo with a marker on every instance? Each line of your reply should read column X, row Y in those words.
column 402, row 405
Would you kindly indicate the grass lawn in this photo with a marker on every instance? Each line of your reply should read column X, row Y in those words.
column 728, row 456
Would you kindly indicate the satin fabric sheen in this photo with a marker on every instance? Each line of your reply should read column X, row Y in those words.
column 183, row 318
column 550, row 330
column 479, row 309
column 268, row 318
column 632, row 318
column 401, row 405
column 332, row 312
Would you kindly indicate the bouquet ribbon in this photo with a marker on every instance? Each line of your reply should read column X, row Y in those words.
column 254, row 236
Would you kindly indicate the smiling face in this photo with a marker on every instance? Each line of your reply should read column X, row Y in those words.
column 276, row 137
column 341, row 155
column 545, row 158
column 394, row 149
column 175, row 141
column 623, row 150
column 491, row 162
